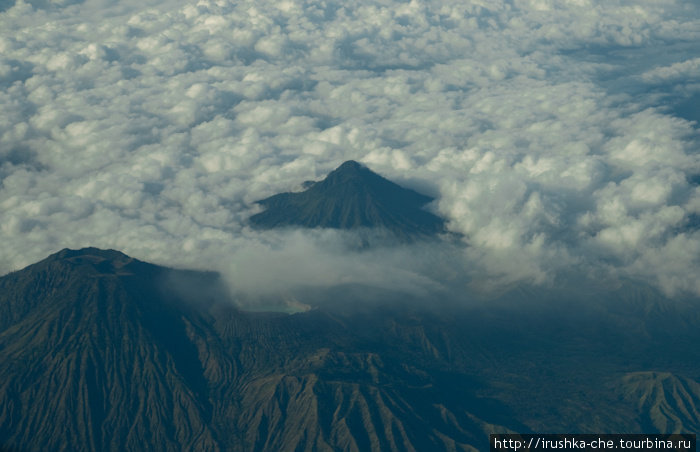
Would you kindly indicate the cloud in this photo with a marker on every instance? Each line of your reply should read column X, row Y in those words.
column 543, row 127
column 680, row 71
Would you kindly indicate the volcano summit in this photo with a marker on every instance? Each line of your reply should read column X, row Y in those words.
column 352, row 197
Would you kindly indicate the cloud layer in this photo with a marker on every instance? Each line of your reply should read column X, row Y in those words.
column 557, row 134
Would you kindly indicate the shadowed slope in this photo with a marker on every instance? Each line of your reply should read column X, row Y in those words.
column 99, row 352
column 94, row 359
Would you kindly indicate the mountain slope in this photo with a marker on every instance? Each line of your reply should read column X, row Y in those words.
column 666, row 402
column 99, row 351
column 351, row 197
column 94, row 358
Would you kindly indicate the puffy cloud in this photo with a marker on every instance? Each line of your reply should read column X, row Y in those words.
column 548, row 130
column 680, row 71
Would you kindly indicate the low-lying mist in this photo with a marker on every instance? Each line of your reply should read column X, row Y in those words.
column 295, row 269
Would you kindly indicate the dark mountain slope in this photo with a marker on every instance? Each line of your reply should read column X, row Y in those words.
column 352, row 197
column 102, row 353
column 99, row 351
column 358, row 402
column 323, row 381
column 665, row 402
column 97, row 359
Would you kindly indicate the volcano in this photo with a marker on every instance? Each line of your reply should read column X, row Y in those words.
column 100, row 351
column 352, row 197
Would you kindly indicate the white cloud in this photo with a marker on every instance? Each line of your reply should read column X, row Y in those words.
column 153, row 126
column 673, row 72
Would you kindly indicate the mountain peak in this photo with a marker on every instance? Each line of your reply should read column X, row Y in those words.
column 350, row 165
column 89, row 252
column 349, row 171
column 351, row 168
column 352, row 196
column 97, row 261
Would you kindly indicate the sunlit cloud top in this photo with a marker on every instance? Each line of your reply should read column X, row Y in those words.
column 558, row 136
